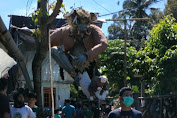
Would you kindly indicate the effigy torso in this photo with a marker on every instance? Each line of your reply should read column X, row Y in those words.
column 78, row 47
column 77, row 50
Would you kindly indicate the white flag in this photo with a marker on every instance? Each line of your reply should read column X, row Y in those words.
column 6, row 62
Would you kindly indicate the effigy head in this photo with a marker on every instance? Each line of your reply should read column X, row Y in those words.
column 79, row 19
column 103, row 79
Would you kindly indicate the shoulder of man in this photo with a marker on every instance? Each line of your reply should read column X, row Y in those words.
column 72, row 106
column 35, row 106
column 136, row 112
column 115, row 111
column 27, row 107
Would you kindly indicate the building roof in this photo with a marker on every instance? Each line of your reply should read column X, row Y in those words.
column 22, row 21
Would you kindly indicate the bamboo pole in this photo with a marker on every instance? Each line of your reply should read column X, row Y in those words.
column 51, row 82
column 125, row 53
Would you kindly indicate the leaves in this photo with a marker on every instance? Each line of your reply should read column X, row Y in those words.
column 63, row 6
column 157, row 60
column 39, row 14
column 52, row 5
column 112, row 62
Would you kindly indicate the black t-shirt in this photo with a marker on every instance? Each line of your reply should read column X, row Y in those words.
column 169, row 109
column 117, row 113
column 4, row 104
column 96, row 112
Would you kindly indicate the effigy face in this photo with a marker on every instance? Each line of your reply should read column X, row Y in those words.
column 79, row 20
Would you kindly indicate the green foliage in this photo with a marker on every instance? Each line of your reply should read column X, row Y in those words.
column 112, row 63
column 39, row 14
column 137, row 30
column 115, row 31
column 163, row 35
column 37, row 34
column 144, row 65
column 53, row 4
column 73, row 91
column 155, row 16
column 171, row 8
column 63, row 7
column 137, row 9
column 156, row 62
column 77, row 93
column 135, row 89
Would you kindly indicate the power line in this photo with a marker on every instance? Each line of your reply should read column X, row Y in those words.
column 28, row 5
column 101, row 6
column 108, row 14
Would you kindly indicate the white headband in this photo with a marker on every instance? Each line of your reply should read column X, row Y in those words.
column 103, row 79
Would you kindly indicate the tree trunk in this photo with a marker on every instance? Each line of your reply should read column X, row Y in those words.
column 42, row 48
column 42, row 45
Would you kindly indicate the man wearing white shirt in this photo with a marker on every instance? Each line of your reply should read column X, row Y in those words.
column 19, row 109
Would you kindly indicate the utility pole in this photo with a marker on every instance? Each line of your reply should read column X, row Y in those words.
column 125, row 42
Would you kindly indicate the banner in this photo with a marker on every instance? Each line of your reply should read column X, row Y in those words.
column 6, row 62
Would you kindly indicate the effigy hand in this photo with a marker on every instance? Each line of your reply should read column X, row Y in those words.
column 101, row 92
column 80, row 60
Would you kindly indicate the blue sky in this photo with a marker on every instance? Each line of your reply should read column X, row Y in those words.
column 20, row 7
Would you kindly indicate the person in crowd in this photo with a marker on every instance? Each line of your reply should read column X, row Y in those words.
column 82, row 42
column 68, row 111
column 95, row 110
column 169, row 110
column 32, row 99
column 107, row 108
column 57, row 113
column 79, row 111
column 19, row 109
column 4, row 100
column 125, row 110
column 87, row 112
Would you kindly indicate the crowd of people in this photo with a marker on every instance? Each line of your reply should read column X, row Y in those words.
column 166, row 108
column 77, row 109
column 19, row 109
column 94, row 109
column 84, row 109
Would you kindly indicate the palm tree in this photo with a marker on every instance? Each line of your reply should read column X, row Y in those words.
column 155, row 16
column 171, row 8
column 116, row 30
column 138, row 9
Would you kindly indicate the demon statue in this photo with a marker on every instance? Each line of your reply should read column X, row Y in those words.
column 83, row 41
